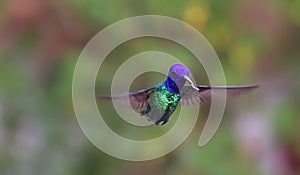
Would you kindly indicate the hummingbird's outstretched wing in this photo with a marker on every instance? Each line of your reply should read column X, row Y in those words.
column 138, row 99
column 190, row 96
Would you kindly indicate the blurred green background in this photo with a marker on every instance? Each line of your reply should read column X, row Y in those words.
column 257, row 42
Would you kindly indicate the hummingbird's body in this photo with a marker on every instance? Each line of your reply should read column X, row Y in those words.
column 163, row 102
column 159, row 102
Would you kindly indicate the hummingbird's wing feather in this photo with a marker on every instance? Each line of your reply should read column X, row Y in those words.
column 190, row 96
column 138, row 99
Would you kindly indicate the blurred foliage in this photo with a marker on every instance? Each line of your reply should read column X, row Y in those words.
column 256, row 41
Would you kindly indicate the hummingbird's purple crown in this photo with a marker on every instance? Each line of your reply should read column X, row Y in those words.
column 180, row 69
column 176, row 78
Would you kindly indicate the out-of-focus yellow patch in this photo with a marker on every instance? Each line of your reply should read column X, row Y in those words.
column 196, row 16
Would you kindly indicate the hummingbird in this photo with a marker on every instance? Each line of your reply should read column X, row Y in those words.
column 159, row 102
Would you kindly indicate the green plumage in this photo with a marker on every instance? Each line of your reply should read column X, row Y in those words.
column 162, row 103
column 164, row 97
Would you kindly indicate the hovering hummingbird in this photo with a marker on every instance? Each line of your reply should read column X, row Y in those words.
column 159, row 102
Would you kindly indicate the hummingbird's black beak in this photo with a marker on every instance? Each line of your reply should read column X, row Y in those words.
column 191, row 82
